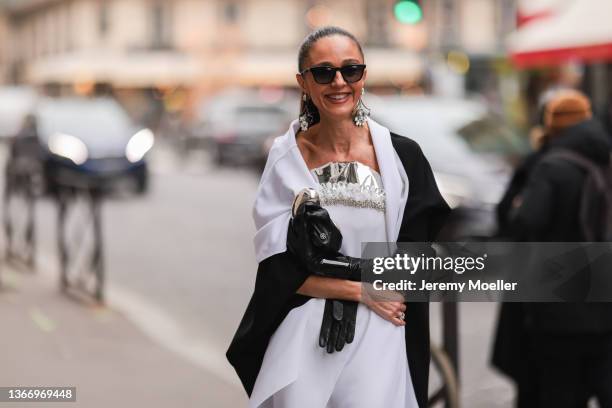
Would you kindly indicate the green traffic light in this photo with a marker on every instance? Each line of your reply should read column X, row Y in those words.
column 408, row 12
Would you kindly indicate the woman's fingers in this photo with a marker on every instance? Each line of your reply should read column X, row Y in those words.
column 386, row 306
column 397, row 321
column 390, row 311
column 396, row 310
column 394, row 307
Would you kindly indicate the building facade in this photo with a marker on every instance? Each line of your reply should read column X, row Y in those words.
column 5, row 42
column 466, row 47
column 158, row 46
column 144, row 43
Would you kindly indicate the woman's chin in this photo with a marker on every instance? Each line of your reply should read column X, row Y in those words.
column 339, row 113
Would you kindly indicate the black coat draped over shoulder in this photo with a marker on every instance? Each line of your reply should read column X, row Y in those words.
column 279, row 277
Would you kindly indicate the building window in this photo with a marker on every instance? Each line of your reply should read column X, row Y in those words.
column 507, row 17
column 68, row 27
column 449, row 29
column 103, row 17
column 161, row 24
column 378, row 14
column 231, row 12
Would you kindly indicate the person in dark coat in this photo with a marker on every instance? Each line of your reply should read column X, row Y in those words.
column 25, row 157
column 560, row 354
column 510, row 199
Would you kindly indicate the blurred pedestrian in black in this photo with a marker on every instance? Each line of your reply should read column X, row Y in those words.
column 24, row 156
column 560, row 355
column 511, row 198
column 26, row 141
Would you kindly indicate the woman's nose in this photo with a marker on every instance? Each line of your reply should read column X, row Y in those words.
column 338, row 79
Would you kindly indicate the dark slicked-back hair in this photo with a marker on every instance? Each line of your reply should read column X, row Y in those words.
column 315, row 36
column 303, row 53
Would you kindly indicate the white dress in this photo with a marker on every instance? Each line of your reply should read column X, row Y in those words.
column 372, row 371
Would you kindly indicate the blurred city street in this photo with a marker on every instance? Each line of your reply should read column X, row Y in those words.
column 133, row 135
column 50, row 340
column 182, row 293
column 175, row 297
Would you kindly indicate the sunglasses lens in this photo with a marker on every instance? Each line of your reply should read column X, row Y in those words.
column 352, row 73
column 323, row 75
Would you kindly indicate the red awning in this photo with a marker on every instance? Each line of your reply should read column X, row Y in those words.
column 528, row 11
column 581, row 31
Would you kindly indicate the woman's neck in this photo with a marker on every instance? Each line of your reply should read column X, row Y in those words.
column 338, row 136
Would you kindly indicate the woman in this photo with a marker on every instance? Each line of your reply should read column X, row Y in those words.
column 376, row 187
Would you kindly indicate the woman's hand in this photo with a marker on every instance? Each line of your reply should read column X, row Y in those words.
column 390, row 305
column 312, row 235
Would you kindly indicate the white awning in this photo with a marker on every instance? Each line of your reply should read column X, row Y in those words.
column 385, row 67
column 581, row 31
column 246, row 68
column 129, row 70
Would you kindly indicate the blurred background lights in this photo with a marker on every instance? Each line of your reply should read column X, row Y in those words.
column 408, row 11
column 458, row 62
column 318, row 16
column 272, row 94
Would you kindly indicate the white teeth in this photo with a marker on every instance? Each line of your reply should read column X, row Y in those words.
column 338, row 97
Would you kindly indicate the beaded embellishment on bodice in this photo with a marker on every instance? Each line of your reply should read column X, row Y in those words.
column 352, row 184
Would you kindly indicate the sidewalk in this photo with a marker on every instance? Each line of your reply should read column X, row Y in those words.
column 48, row 339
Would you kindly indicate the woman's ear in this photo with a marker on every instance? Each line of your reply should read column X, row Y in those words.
column 301, row 83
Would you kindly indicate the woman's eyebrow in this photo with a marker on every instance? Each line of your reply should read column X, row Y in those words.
column 323, row 64
column 329, row 64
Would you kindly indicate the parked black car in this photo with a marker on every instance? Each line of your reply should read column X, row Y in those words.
column 83, row 143
column 236, row 123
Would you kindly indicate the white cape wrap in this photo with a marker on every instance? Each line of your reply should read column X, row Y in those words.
column 286, row 174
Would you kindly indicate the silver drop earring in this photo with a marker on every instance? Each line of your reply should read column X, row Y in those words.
column 361, row 111
column 306, row 117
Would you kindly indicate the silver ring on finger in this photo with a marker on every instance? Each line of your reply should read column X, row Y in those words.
column 401, row 316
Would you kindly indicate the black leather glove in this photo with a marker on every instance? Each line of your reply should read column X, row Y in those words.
column 315, row 240
column 338, row 325
column 312, row 233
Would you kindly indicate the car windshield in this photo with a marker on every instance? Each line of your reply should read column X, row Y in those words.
column 15, row 104
column 453, row 135
column 489, row 135
column 259, row 118
column 432, row 132
column 98, row 123
column 259, row 114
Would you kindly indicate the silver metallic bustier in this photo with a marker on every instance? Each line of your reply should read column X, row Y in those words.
column 351, row 184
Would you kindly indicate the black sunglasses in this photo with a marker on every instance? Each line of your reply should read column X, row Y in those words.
column 325, row 75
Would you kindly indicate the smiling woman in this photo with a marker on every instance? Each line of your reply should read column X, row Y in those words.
column 309, row 338
column 325, row 95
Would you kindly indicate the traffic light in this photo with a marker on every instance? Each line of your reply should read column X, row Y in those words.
column 408, row 11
